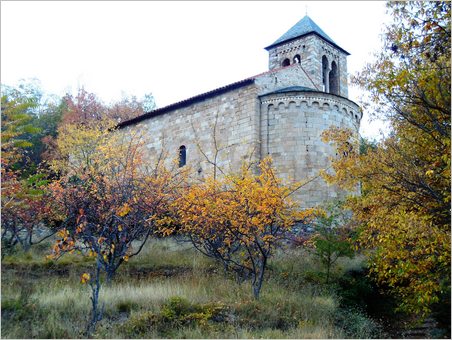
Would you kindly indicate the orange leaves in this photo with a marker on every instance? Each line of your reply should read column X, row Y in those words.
column 123, row 210
column 165, row 231
column 239, row 219
column 65, row 243
column 239, row 204
column 79, row 229
column 85, row 278
column 107, row 196
column 63, row 233
column 268, row 238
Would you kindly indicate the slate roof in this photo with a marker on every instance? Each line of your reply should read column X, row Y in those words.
column 302, row 28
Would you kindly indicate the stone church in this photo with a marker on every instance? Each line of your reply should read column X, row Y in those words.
column 281, row 113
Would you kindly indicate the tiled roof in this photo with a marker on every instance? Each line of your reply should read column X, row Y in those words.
column 303, row 27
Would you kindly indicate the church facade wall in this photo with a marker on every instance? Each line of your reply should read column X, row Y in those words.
column 235, row 115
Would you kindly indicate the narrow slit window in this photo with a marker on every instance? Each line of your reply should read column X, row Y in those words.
column 325, row 73
column 182, row 156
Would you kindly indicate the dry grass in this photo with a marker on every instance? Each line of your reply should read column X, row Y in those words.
column 54, row 306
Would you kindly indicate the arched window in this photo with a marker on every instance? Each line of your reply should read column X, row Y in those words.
column 182, row 156
column 286, row 62
column 325, row 73
column 334, row 79
column 296, row 59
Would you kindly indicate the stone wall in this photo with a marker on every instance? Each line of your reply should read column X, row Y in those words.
column 311, row 48
column 293, row 75
column 291, row 128
column 333, row 54
column 236, row 115
column 259, row 116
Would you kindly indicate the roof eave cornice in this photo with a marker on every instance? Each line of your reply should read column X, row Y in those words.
column 304, row 35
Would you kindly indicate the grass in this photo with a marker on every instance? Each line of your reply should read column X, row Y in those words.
column 171, row 291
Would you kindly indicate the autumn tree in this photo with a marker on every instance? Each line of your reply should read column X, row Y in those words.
column 107, row 199
column 239, row 219
column 86, row 107
column 83, row 107
column 405, row 203
column 21, row 200
column 130, row 107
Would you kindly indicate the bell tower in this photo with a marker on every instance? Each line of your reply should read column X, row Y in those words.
column 323, row 61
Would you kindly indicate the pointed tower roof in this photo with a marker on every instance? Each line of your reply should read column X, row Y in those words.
column 304, row 27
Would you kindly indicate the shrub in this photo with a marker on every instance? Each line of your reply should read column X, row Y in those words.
column 331, row 239
column 355, row 324
column 175, row 314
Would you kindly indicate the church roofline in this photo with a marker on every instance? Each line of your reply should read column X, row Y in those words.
column 187, row 102
column 303, row 28
column 306, row 90
column 197, row 98
column 305, row 35
column 291, row 89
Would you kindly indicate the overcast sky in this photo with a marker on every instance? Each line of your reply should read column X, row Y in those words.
column 173, row 50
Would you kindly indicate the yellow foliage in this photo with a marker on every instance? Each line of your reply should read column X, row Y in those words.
column 85, row 278
column 242, row 216
column 407, row 229
column 404, row 209
column 124, row 210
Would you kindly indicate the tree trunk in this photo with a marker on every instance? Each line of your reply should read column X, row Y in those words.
column 328, row 267
column 259, row 278
column 96, row 314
